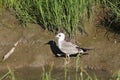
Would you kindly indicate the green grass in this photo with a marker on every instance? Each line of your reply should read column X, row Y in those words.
column 81, row 74
column 0, row 3
column 62, row 15
column 9, row 75
column 114, row 7
column 112, row 20
column 116, row 75
column 46, row 75
column 54, row 15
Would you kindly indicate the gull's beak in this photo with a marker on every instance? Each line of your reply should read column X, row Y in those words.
column 50, row 42
column 47, row 43
column 56, row 36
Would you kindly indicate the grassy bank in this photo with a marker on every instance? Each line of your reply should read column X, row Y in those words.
column 54, row 15
column 112, row 19
column 63, row 15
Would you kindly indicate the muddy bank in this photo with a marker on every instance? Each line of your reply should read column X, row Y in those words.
column 32, row 53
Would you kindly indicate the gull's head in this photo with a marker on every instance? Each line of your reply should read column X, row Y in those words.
column 60, row 36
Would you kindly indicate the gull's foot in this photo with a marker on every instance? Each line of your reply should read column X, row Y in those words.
column 67, row 61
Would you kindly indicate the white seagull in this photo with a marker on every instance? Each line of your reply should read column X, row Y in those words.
column 67, row 47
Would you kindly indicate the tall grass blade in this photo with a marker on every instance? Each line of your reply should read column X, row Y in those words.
column 65, row 70
column 4, row 76
column 10, row 73
column 116, row 75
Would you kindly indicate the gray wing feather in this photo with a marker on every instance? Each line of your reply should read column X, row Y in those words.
column 69, row 47
column 69, row 44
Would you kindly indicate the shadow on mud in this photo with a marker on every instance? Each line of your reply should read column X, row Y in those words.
column 56, row 51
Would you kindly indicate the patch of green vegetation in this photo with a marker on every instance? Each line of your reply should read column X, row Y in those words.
column 112, row 20
column 46, row 75
column 114, row 6
column 54, row 15
column 116, row 75
column 63, row 15
column 9, row 75
column 0, row 3
column 80, row 73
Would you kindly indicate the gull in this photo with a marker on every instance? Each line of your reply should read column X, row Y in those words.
column 68, row 47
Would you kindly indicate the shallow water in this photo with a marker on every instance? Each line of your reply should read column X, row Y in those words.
column 30, row 73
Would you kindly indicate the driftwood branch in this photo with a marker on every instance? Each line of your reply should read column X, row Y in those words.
column 11, row 50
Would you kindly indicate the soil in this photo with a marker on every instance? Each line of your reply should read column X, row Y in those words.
column 32, row 52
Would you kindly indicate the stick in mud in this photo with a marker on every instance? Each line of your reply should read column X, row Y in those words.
column 6, row 56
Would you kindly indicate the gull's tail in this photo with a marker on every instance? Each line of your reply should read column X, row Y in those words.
column 84, row 50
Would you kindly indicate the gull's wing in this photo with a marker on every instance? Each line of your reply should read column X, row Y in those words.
column 68, row 47
column 69, row 44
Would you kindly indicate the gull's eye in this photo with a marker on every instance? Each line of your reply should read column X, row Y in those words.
column 59, row 35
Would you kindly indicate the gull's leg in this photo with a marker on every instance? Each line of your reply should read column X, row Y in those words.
column 67, row 58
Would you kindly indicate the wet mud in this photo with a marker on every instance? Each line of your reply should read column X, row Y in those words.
column 33, row 52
